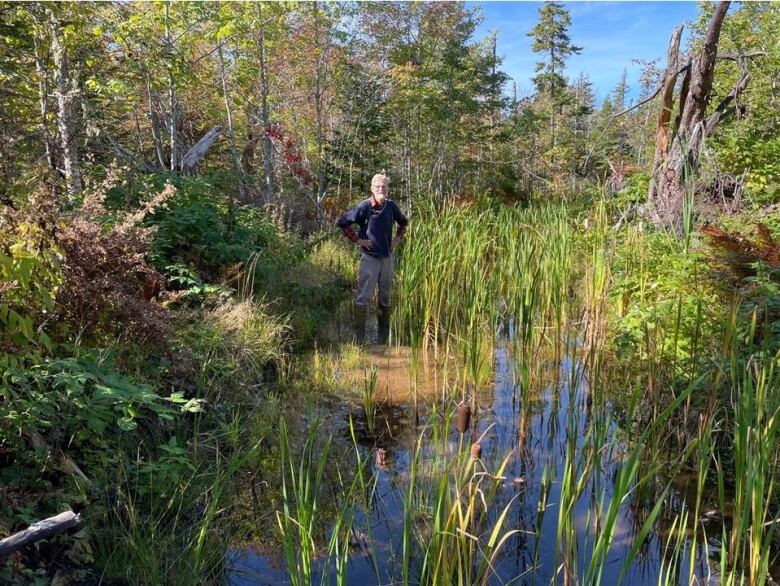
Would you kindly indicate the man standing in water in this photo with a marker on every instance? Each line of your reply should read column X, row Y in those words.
column 374, row 217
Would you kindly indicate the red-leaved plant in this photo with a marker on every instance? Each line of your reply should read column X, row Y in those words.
column 108, row 288
column 739, row 252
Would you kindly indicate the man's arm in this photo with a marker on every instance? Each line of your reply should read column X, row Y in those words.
column 346, row 222
column 402, row 221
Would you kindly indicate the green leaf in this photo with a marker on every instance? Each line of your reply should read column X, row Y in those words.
column 96, row 424
column 126, row 424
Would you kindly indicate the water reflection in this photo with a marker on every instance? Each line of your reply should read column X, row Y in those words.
column 544, row 432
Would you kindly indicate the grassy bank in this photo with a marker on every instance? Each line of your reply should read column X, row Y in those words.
column 153, row 351
column 217, row 413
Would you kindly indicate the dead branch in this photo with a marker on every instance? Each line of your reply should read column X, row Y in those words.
column 40, row 530
column 190, row 161
column 626, row 111
column 130, row 157
column 66, row 464
column 723, row 110
column 738, row 56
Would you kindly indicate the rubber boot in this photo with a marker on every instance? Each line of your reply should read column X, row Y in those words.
column 360, row 322
column 383, row 324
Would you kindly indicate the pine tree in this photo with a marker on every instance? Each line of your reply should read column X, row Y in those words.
column 621, row 91
column 622, row 144
column 583, row 108
column 551, row 39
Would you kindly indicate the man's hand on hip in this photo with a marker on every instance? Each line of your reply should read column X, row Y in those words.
column 365, row 243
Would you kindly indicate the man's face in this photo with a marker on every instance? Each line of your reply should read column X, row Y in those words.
column 380, row 188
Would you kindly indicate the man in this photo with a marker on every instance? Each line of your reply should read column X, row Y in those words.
column 374, row 217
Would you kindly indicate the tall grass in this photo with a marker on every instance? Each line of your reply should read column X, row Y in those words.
column 368, row 397
column 300, row 497
column 560, row 292
column 466, row 272
column 173, row 531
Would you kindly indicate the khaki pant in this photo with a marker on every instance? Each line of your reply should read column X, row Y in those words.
column 374, row 271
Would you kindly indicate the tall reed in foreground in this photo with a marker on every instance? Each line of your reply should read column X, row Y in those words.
column 755, row 459
column 368, row 397
column 300, row 498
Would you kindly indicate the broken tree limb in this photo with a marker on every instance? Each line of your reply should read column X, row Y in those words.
column 612, row 119
column 131, row 158
column 194, row 156
column 723, row 110
column 667, row 96
column 66, row 464
column 650, row 98
column 40, row 530
column 739, row 57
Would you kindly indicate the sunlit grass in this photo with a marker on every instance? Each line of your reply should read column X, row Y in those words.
column 551, row 291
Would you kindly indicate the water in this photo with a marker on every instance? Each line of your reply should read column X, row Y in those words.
column 535, row 434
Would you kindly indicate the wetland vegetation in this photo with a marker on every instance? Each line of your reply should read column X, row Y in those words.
column 582, row 379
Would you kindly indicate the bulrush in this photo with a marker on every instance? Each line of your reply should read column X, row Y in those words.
column 476, row 451
column 381, row 459
column 464, row 417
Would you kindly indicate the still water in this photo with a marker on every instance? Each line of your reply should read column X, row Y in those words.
column 534, row 433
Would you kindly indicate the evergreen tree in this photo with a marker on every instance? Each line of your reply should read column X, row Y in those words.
column 551, row 40
column 622, row 138
column 583, row 108
column 621, row 91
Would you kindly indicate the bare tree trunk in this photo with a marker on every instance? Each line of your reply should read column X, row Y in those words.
column 678, row 158
column 265, row 118
column 231, row 138
column 252, row 138
column 319, row 83
column 667, row 103
column 173, row 106
column 154, row 122
column 43, row 91
column 67, row 93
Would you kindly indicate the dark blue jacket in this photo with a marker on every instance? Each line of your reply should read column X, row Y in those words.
column 374, row 224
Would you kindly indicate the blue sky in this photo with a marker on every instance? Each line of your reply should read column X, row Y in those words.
column 611, row 34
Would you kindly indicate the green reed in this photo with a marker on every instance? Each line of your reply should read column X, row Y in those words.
column 460, row 549
column 300, row 498
column 368, row 397
column 468, row 273
column 755, row 458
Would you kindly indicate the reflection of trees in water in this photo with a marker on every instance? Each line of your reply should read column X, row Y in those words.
column 533, row 427
column 258, row 492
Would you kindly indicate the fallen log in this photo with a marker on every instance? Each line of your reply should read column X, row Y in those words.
column 66, row 464
column 40, row 530
column 190, row 161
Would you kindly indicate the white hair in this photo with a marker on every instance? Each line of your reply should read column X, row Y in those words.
column 379, row 176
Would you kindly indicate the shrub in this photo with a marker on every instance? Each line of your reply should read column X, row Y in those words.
column 108, row 287
column 29, row 278
column 740, row 253
column 665, row 309
column 750, row 264
column 78, row 403
column 193, row 231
